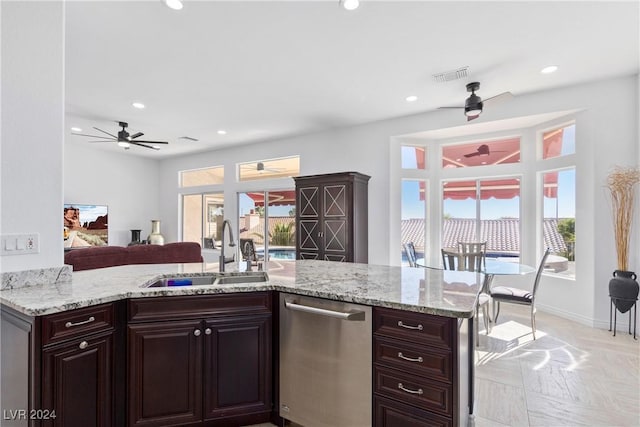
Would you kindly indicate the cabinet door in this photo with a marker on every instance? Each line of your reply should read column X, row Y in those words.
column 390, row 413
column 309, row 227
column 237, row 366
column 77, row 382
column 164, row 376
column 335, row 224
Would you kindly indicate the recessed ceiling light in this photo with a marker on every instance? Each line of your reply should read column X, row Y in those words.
column 350, row 4
column 411, row 98
column 173, row 4
column 138, row 105
column 75, row 129
column 457, row 160
column 484, row 163
column 222, row 132
column 550, row 69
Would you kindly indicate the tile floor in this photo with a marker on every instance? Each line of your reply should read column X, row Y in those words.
column 571, row 375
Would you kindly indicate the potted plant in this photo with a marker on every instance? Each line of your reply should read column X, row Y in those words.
column 621, row 183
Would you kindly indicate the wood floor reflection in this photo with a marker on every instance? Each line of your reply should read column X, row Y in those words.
column 572, row 375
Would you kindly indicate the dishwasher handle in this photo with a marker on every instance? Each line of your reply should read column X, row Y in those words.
column 351, row 315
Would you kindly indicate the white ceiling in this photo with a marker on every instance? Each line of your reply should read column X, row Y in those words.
column 267, row 70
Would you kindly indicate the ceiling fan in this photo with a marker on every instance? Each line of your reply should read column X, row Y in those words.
column 482, row 150
column 473, row 105
column 123, row 138
column 260, row 168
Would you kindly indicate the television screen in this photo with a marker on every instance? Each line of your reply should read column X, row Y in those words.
column 85, row 225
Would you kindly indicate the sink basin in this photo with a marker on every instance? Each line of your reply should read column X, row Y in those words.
column 230, row 280
column 214, row 279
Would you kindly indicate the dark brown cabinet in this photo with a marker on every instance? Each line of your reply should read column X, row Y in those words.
column 417, row 359
column 331, row 217
column 78, row 367
column 165, row 372
column 207, row 366
column 77, row 382
column 60, row 369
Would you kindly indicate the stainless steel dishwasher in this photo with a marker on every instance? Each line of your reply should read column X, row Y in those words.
column 325, row 362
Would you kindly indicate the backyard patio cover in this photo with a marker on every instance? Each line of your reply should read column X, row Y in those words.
column 276, row 198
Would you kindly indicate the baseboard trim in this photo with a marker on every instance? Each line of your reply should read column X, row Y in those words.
column 622, row 324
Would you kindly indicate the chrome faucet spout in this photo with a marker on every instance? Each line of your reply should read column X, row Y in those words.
column 225, row 224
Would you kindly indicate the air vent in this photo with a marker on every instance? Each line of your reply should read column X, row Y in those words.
column 448, row 76
column 188, row 138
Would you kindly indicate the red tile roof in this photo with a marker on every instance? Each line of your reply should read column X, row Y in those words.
column 501, row 235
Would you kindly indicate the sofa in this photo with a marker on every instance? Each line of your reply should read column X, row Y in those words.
column 112, row 256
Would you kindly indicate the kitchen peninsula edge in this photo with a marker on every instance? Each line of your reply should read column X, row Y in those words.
column 423, row 292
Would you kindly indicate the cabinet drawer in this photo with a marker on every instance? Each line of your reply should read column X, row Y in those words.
column 389, row 413
column 430, row 363
column 198, row 306
column 70, row 324
column 417, row 328
column 417, row 391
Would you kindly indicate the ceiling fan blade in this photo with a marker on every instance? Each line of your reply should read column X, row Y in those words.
column 444, row 108
column 469, row 118
column 504, row 96
column 92, row 136
column 472, row 154
column 137, row 135
column 151, row 142
column 143, row 145
column 106, row 140
column 111, row 135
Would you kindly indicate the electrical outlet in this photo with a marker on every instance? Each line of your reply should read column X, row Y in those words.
column 20, row 244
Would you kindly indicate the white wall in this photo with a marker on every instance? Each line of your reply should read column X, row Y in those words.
column 607, row 132
column 32, row 47
column 126, row 183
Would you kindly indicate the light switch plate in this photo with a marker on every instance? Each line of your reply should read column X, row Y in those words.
column 20, row 244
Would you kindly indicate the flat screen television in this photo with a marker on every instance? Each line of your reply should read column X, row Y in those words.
column 85, row 226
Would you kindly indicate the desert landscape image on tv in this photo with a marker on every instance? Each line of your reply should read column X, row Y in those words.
column 85, row 226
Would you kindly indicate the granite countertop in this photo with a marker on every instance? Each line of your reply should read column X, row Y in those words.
column 444, row 293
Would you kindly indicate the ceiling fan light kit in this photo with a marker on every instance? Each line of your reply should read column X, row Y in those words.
column 474, row 105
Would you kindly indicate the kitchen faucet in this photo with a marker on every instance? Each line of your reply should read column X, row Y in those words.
column 231, row 244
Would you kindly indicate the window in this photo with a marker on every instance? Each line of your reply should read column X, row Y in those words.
column 559, row 142
column 206, row 176
column 414, row 216
column 413, row 157
column 481, row 153
column 559, row 220
column 269, row 169
column 271, row 227
column 483, row 210
column 202, row 216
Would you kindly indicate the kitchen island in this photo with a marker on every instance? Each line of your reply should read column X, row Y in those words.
column 120, row 294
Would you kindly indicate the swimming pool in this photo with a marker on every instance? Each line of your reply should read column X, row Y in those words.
column 279, row 253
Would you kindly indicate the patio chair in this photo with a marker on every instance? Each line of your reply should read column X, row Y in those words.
column 410, row 252
column 248, row 251
column 474, row 247
column 471, row 261
column 519, row 296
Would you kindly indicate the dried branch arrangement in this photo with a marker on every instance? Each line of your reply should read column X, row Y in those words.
column 621, row 184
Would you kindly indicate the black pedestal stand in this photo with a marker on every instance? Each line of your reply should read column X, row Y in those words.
column 615, row 312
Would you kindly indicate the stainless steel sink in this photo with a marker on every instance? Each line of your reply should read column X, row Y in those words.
column 211, row 280
column 230, row 280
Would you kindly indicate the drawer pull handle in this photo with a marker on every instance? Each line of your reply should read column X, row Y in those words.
column 197, row 332
column 89, row 320
column 418, row 391
column 207, row 331
column 83, row 345
column 409, row 359
column 402, row 325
